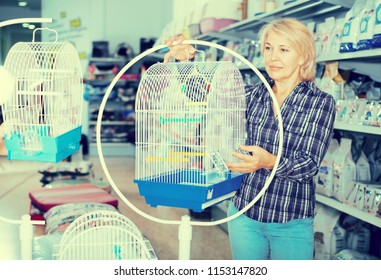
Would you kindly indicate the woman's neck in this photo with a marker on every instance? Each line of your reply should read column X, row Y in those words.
column 284, row 88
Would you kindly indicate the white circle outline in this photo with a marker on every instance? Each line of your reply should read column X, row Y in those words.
column 173, row 222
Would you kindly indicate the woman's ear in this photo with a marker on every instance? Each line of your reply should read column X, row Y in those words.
column 302, row 60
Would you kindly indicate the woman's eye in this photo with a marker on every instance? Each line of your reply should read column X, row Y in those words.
column 284, row 50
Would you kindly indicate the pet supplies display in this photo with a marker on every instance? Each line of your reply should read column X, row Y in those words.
column 42, row 113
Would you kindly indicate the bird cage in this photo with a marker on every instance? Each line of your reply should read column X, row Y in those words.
column 42, row 114
column 189, row 119
column 103, row 235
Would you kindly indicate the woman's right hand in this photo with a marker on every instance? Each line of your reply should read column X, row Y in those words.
column 3, row 150
column 178, row 51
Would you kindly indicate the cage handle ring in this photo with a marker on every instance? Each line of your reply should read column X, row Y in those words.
column 99, row 123
column 45, row 28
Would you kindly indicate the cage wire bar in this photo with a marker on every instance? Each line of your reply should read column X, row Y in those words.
column 185, row 224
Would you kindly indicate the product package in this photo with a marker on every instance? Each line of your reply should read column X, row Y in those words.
column 372, row 198
column 328, row 35
column 365, row 36
column 344, row 171
column 363, row 168
column 372, row 149
column 359, row 239
column 324, row 178
column 356, row 196
column 329, row 236
column 336, row 35
column 351, row 27
column 349, row 254
column 376, row 42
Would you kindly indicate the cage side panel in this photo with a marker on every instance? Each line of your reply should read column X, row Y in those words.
column 226, row 111
column 168, row 128
column 188, row 115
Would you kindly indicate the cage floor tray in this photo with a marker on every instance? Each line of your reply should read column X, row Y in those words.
column 54, row 149
column 185, row 192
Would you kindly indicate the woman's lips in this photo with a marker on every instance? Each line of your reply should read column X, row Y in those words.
column 272, row 67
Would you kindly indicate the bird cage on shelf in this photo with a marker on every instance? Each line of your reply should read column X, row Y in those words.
column 189, row 119
column 42, row 114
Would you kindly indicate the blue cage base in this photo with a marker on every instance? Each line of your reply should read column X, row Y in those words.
column 183, row 194
column 54, row 149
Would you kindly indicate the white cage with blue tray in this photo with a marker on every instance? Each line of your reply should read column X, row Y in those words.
column 42, row 113
column 189, row 119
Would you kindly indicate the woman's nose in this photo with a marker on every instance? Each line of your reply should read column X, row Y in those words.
column 274, row 55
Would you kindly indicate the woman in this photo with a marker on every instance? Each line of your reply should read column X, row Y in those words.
column 280, row 224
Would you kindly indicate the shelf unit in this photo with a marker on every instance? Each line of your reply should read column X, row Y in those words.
column 118, row 124
column 305, row 10
column 365, row 62
column 358, row 128
column 362, row 215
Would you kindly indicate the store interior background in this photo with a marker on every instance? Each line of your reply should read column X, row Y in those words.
column 115, row 21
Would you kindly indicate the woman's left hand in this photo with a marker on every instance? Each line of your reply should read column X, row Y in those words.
column 179, row 51
column 259, row 158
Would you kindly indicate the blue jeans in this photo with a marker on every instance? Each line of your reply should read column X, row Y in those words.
column 253, row 240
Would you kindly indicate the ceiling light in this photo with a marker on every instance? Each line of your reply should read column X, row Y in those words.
column 31, row 26
column 23, row 3
column 25, row 25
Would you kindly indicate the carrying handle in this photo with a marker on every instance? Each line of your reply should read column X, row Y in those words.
column 44, row 28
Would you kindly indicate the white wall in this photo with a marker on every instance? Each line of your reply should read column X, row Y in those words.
column 182, row 8
column 115, row 21
column 129, row 20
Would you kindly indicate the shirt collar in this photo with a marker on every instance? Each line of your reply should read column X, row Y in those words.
column 308, row 84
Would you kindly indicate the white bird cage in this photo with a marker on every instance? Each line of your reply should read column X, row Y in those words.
column 42, row 115
column 103, row 235
column 189, row 119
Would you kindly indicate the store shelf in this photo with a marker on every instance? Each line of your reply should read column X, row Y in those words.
column 360, row 55
column 358, row 128
column 364, row 216
column 106, row 83
column 221, row 210
column 113, row 123
column 119, row 105
column 307, row 10
column 110, row 60
column 217, row 36
column 114, row 149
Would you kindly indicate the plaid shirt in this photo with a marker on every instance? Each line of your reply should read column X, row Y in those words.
column 308, row 117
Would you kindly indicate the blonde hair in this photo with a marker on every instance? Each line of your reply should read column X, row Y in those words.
column 300, row 38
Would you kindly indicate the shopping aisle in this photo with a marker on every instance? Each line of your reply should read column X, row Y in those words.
column 18, row 178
